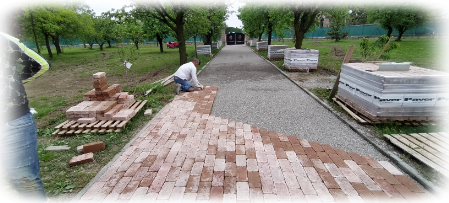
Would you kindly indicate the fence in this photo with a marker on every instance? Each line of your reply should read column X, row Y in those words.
column 429, row 28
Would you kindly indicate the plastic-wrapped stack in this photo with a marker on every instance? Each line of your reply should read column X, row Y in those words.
column 216, row 45
column 203, row 50
column 276, row 52
column 415, row 95
column 252, row 43
column 262, row 46
column 301, row 59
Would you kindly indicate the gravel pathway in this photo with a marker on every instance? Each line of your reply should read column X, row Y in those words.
column 252, row 91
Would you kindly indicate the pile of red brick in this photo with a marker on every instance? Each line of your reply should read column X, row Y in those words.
column 102, row 103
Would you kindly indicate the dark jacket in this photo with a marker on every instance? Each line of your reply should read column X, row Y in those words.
column 18, row 65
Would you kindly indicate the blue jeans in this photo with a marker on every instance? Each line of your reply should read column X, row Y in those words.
column 185, row 84
column 19, row 159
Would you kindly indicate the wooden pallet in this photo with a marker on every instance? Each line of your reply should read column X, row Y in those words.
column 431, row 149
column 276, row 59
column 101, row 126
column 372, row 119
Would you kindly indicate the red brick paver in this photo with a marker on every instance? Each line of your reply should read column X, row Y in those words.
column 188, row 155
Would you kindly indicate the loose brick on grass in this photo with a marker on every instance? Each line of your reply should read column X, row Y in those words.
column 93, row 147
column 81, row 159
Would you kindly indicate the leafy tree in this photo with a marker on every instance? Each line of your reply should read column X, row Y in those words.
column 408, row 18
column 367, row 47
column 173, row 15
column 101, row 26
column 87, row 33
column 157, row 30
column 358, row 15
column 9, row 10
column 261, row 19
column 215, row 16
column 301, row 16
column 335, row 32
column 254, row 21
column 398, row 17
column 129, row 27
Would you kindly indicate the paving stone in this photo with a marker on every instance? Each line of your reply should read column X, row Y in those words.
column 188, row 156
column 81, row 159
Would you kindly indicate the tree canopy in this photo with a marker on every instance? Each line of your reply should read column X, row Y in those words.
column 301, row 16
column 397, row 17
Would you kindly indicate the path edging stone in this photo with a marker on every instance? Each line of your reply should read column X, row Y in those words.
column 78, row 196
column 404, row 166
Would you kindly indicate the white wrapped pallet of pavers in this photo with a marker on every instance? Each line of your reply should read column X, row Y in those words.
column 203, row 50
column 301, row 59
column 276, row 51
column 253, row 43
column 262, row 46
column 412, row 93
column 216, row 45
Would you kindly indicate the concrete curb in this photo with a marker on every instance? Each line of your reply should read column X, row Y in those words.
column 105, row 168
column 404, row 166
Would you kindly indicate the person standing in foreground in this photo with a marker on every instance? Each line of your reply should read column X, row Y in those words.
column 18, row 134
column 185, row 73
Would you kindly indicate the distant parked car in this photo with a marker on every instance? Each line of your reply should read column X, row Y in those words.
column 172, row 45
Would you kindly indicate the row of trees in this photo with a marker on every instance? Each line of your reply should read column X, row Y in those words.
column 45, row 24
column 273, row 19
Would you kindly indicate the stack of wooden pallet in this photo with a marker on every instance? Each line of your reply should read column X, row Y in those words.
column 204, row 50
column 105, row 109
column 276, row 52
column 301, row 59
column 415, row 95
column 262, row 46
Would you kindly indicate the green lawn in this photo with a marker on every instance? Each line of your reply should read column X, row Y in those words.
column 56, row 174
column 422, row 52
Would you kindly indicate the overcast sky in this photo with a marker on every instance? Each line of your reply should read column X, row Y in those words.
column 100, row 6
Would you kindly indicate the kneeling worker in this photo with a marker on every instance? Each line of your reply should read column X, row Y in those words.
column 185, row 73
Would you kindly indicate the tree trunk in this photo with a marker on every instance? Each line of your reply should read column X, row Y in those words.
column 260, row 37
column 208, row 39
column 56, row 43
column 109, row 43
column 136, row 43
column 270, row 30
column 299, row 35
column 194, row 41
column 101, row 46
column 181, row 42
column 159, row 41
column 401, row 31
column 91, row 44
column 34, row 33
column 47, row 43
column 84, row 44
column 390, row 30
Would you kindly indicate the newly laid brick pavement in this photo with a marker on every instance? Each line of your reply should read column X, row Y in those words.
column 188, row 155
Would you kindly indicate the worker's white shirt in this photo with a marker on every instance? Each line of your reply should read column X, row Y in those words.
column 187, row 72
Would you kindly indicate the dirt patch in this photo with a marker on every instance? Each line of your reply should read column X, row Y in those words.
column 321, row 78
column 337, row 51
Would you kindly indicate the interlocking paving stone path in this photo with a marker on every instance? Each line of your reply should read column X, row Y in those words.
column 187, row 155
column 254, row 92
